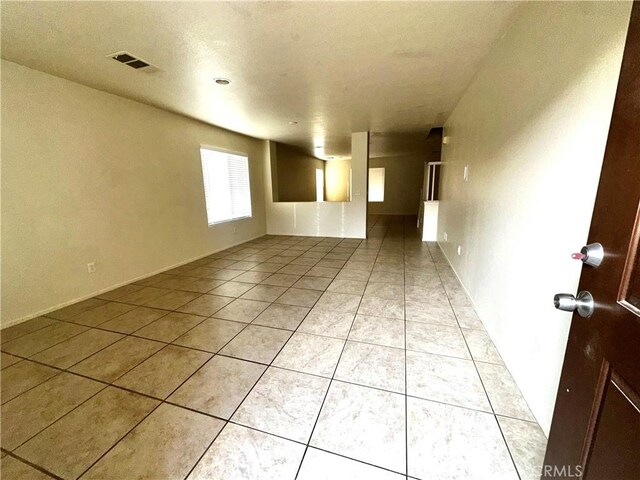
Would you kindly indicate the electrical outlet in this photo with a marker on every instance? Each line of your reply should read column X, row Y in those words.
column 459, row 250
column 445, row 236
column 235, row 229
column 91, row 267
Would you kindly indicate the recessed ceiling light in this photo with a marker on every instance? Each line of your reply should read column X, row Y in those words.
column 293, row 123
column 222, row 81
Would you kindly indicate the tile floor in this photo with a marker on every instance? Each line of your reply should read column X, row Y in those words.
column 283, row 358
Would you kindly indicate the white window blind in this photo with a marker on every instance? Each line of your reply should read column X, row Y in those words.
column 376, row 184
column 226, row 185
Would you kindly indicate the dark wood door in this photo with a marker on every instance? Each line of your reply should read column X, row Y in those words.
column 595, row 433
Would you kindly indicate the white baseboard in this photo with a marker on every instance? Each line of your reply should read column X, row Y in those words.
column 475, row 307
column 312, row 235
column 16, row 321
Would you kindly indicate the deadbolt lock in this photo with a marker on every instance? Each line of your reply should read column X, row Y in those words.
column 591, row 254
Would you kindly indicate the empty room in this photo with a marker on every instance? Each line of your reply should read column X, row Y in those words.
column 320, row 240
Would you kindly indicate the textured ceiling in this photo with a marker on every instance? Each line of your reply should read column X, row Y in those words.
column 394, row 68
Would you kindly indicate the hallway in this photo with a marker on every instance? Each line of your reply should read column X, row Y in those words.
column 284, row 357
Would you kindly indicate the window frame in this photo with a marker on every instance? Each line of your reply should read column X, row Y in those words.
column 205, row 186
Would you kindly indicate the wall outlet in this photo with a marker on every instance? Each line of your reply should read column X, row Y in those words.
column 466, row 173
column 91, row 267
column 459, row 250
column 235, row 229
column 445, row 236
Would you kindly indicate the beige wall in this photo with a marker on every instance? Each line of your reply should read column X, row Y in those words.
column 336, row 180
column 92, row 177
column 402, row 185
column 532, row 127
column 296, row 173
column 325, row 219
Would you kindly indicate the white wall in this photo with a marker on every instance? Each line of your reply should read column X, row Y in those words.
column 532, row 127
column 324, row 219
column 88, row 176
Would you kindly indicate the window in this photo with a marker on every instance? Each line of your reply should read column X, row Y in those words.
column 226, row 185
column 319, row 185
column 376, row 184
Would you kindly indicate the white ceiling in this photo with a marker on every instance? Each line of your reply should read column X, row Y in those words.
column 394, row 68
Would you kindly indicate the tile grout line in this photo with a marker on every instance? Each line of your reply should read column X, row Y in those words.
column 105, row 383
column 475, row 366
column 27, row 333
column 162, row 401
column 61, row 370
column 270, row 365
column 250, row 390
column 98, row 326
column 406, row 388
column 104, row 387
column 113, row 385
column 31, row 464
column 331, row 380
column 172, row 342
column 190, row 376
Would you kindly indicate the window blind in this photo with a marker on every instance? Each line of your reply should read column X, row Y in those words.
column 226, row 185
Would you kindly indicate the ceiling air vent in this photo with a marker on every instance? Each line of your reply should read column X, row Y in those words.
column 127, row 59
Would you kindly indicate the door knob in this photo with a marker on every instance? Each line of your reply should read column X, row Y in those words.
column 583, row 303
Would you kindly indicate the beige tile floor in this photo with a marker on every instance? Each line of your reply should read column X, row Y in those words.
column 282, row 358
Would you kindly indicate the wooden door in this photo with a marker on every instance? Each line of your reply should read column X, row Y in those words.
column 595, row 433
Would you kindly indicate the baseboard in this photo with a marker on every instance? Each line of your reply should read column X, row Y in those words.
column 313, row 235
column 16, row 321
column 475, row 307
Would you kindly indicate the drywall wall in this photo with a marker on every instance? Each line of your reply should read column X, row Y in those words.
column 337, row 174
column 404, row 178
column 296, row 174
column 532, row 127
column 326, row 219
column 92, row 177
column 402, row 185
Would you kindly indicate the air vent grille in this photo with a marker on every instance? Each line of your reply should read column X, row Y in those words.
column 130, row 60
